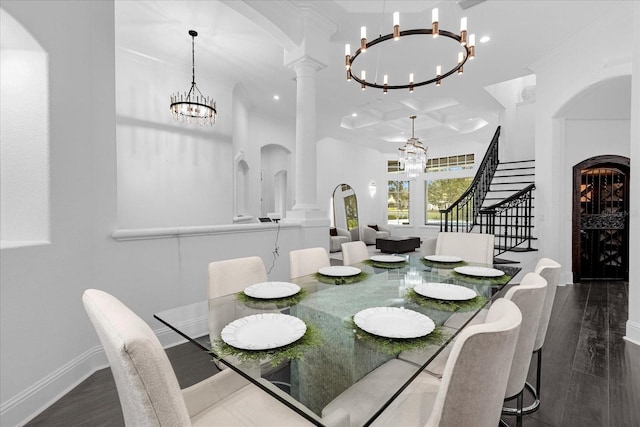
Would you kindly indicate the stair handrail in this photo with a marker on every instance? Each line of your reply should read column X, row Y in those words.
column 467, row 207
column 510, row 220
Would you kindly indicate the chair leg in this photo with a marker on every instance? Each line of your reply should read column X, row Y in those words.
column 517, row 411
column 535, row 392
column 519, row 406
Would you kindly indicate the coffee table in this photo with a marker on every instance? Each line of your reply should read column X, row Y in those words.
column 398, row 245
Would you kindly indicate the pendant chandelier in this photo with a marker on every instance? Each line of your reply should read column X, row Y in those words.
column 465, row 49
column 413, row 155
column 193, row 106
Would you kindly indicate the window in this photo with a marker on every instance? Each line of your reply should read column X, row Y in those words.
column 393, row 166
column 398, row 203
column 451, row 163
column 440, row 194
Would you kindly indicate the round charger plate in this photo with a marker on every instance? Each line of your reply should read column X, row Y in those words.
column 270, row 290
column 339, row 271
column 445, row 291
column 387, row 258
column 263, row 331
column 394, row 322
column 443, row 258
column 469, row 270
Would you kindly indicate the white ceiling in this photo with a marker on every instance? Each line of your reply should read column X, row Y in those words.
column 244, row 41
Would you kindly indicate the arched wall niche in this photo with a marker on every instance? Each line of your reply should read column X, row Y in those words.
column 241, row 190
column 276, row 192
column 24, row 152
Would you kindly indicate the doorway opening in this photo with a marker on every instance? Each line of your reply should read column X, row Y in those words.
column 601, row 219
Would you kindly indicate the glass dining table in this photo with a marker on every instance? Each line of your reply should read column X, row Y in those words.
column 338, row 348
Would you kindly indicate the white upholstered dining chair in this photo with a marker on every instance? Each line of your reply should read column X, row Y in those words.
column 470, row 392
column 307, row 261
column 148, row 388
column 233, row 275
column 471, row 247
column 529, row 296
column 229, row 277
column 550, row 271
column 353, row 252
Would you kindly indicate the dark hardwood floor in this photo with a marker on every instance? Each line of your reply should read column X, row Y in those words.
column 590, row 375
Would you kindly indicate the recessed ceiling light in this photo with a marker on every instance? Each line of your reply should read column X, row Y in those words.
column 354, row 114
column 276, row 97
column 484, row 39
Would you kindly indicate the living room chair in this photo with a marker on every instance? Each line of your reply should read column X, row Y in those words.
column 306, row 261
column 148, row 388
column 470, row 392
column 369, row 233
column 353, row 252
column 339, row 237
column 471, row 247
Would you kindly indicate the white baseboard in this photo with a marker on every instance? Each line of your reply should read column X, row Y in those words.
column 27, row 404
column 633, row 332
column 30, row 402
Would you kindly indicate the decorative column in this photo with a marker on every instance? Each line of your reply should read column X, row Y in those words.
column 307, row 58
column 305, row 167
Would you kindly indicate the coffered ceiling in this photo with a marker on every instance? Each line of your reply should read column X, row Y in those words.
column 245, row 41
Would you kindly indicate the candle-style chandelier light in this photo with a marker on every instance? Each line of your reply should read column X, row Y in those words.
column 413, row 155
column 467, row 52
column 193, row 107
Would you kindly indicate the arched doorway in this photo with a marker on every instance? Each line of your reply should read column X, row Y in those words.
column 601, row 219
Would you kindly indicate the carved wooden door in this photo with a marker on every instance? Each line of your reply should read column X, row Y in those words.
column 602, row 219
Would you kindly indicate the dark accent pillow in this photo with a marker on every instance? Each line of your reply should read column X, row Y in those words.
column 375, row 227
column 333, row 231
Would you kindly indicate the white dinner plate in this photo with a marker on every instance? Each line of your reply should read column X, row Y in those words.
column 269, row 290
column 469, row 270
column 339, row 271
column 443, row 258
column 445, row 291
column 394, row 322
column 263, row 331
column 387, row 258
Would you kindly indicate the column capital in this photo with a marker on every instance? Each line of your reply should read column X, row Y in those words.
column 305, row 61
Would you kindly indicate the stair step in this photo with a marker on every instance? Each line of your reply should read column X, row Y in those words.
column 519, row 250
column 499, row 261
column 512, row 182
column 518, row 161
column 500, row 175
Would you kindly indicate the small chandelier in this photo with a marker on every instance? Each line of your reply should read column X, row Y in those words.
column 467, row 52
column 413, row 155
column 193, row 107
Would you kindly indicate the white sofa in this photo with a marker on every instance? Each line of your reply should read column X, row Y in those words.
column 343, row 236
column 369, row 235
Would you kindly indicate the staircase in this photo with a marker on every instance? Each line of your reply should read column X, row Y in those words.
column 508, row 208
column 509, row 178
column 499, row 201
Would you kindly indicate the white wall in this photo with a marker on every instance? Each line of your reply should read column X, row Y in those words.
column 342, row 163
column 43, row 326
column 169, row 173
column 47, row 342
column 558, row 83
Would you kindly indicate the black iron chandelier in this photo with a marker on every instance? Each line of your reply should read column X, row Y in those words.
column 193, row 106
column 467, row 52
